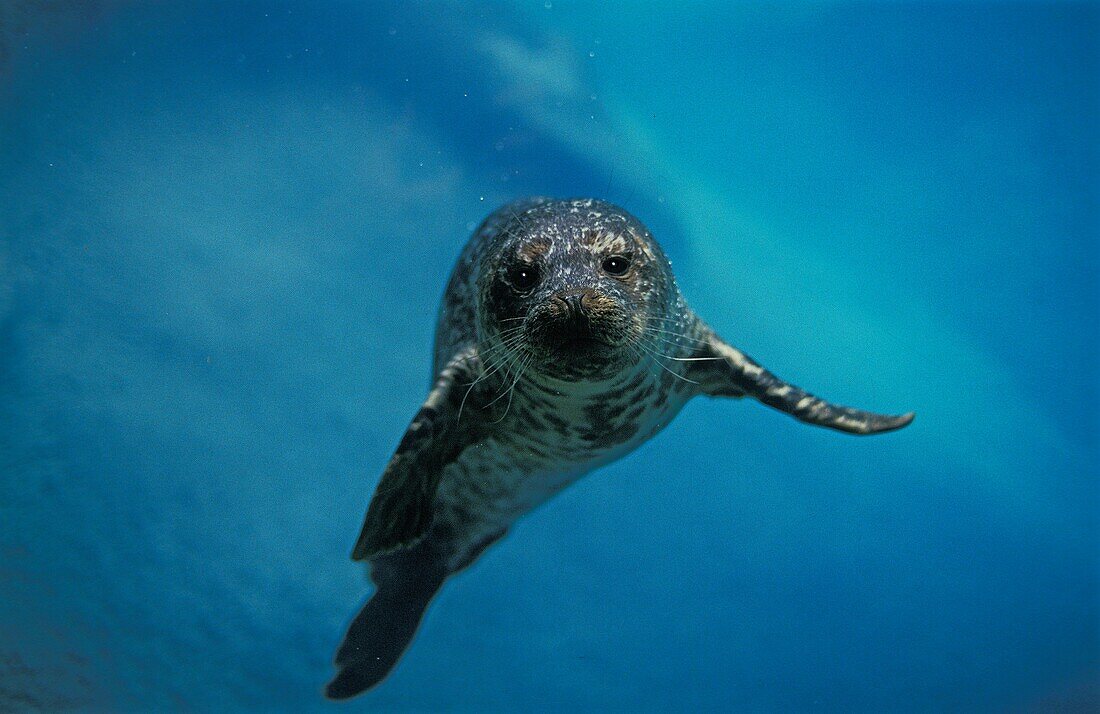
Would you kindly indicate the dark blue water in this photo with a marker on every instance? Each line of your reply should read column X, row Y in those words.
column 224, row 230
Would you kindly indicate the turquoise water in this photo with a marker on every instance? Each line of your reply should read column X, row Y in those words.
column 224, row 230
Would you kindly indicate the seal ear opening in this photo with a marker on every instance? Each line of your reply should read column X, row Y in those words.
column 731, row 373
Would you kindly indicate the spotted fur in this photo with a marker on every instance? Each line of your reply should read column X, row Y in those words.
column 564, row 419
column 549, row 362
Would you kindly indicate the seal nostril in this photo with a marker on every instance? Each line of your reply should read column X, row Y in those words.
column 560, row 305
column 577, row 304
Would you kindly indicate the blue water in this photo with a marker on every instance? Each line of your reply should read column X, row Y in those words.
column 224, row 230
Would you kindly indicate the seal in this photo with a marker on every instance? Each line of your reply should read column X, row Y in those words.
column 562, row 343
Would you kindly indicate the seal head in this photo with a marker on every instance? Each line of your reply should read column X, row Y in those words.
column 572, row 286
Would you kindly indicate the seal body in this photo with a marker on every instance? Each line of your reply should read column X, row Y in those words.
column 549, row 439
column 556, row 428
column 562, row 343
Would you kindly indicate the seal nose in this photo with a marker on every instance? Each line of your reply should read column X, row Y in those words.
column 575, row 303
column 574, row 306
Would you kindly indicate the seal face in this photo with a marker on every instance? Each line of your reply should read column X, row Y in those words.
column 575, row 285
column 562, row 344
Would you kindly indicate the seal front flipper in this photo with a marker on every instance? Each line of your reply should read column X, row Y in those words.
column 725, row 371
column 408, row 566
column 400, row 511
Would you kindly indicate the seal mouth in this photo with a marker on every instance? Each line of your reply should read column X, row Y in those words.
column 583, row 341
column 566, row 340
column 576, row 334
column 586, row 344
column 576, row 356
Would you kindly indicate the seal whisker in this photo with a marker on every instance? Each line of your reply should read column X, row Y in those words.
column 508, row 363
column 512, row 385
column 522, row 223
column 489, row 370
column 503, row 346
column 689, row 359
column 662, row 330
column 484, row 357
column 471, row 385
column 507, row 350
column 634, row 345
column 512, row 389
column 687, row 341
column 670, row 343
column 650, row 328
column 664, row 367
column 685, row 359
column 510, row 336
column 485, row 375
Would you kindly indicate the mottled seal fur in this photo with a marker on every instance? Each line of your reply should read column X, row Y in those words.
column 562, row 344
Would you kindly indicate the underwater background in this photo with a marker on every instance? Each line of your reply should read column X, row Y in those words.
column 224, row 232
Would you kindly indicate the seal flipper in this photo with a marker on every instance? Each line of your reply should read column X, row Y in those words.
column 400, row 512
column 725, row 371
column 406, row 583
column 407, row 566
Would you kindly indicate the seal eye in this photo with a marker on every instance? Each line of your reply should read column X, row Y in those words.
column 523, row 277
column 616, row 265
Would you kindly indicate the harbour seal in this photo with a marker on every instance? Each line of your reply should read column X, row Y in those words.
column 562, row 343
